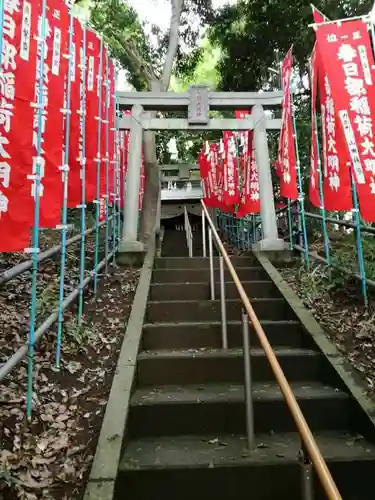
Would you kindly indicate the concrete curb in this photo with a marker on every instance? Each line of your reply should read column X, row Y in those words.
column 337, row 361
column 101, row 483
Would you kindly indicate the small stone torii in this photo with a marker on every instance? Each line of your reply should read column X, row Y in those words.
column 197, row 102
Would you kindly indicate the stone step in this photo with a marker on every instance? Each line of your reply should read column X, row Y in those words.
column 201, row 291
column 199, row 262
column 220, row 467
column 220, row 408
column 195, row 335
column 202, row 275
column 205, row 366
column 195, row 310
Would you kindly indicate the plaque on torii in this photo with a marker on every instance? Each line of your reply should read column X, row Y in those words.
column 199, row 105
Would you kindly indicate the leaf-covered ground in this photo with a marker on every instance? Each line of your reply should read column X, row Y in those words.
column 337, row 304
column 50, row 458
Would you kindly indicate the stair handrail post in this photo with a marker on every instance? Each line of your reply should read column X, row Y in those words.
column 307, row 473
column 223, row 305
column 211, row 255
column 248, row 381
column 204, row 234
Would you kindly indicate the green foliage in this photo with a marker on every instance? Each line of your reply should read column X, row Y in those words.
column 78, row 335
column 200, row 68
column 250, row 31
column 126, row 39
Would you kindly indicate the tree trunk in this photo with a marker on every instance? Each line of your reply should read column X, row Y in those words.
column 152, row 176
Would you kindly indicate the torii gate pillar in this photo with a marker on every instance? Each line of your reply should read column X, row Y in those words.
column 270, row 240
column 131, row 250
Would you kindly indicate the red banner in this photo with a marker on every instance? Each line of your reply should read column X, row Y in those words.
column 206, row 185
column 92, row 108
column 16, row 124
column 250, row 199
column 346, row 54
column 286, row 162
column 56, row 66
column 231, row 195
column 336, row 174
column 124, row 149
column 74, row 184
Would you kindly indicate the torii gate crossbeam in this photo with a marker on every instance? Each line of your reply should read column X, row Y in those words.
column 197, row 103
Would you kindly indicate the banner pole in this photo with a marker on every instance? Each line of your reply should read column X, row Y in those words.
column 65, row 170
column 321, row 198
column 116, row 166
column 83, row 174
column 98, row 164
column 106, row 160
column 290, row 225
column 357, row 231
column 119, row 166
column 300, row 187
column 37, row 170
column 114, row 172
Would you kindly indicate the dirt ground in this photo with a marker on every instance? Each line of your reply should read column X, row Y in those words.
column 50, row 457
column 337, row 304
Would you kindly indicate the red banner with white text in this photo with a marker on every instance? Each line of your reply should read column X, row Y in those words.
column 74, row 185
column 286, row 161
column 250, row 199
column 92, row 108
column 346, row 53
column 231, row 194
column 16, row 124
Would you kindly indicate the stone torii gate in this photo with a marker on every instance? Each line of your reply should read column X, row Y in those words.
column 197, row 103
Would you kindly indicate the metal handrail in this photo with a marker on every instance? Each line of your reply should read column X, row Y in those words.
column 189, row 233
column 308, row 441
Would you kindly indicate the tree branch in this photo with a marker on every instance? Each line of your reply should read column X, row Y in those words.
column 177, row 6
column 139, row 65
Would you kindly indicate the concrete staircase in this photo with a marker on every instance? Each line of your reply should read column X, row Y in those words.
column 186, row 423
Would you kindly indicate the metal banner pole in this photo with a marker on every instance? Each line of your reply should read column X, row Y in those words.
column 65, row 170
column 300, row 188
column 321, row 196
column 83, row 174
column 114, row 163
column 38, row 162
column 98, row 165
column 358, row 238
column 106, row 160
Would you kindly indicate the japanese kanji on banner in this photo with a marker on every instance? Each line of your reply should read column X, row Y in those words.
column 250, row 199
column 286, row 161
column 56, row 66
column 206, row 185
column 17, row 90
column 346, row 54
column 231, row 194
column 74, row 185
column 337, row 192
